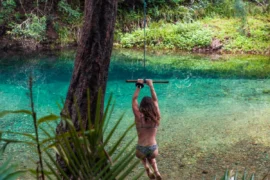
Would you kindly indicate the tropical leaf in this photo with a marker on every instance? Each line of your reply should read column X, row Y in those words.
column 136, row 177
column 84, row 154
column 245, row 175
column 51, row 117
column 113, row 130
column 8, row 171
column 32, row 137
column 117, row 143
column 4, row 113
column 236, row 175
column 225, row 176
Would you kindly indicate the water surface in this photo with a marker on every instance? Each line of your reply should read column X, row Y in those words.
column 211, row 110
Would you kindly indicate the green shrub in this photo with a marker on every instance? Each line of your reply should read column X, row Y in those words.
column 6, row 10
column 33, row 27
column 8, row 170
column 70, row 15
column 228, row 31
column 65, row 35
column 71, row 22
column 169, row 36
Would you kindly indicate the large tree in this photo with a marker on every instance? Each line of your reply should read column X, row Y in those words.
column 92, row 61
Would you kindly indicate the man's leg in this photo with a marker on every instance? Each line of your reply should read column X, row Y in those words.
column 153, row 163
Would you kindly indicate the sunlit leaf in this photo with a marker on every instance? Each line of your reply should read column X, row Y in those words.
column 51, row 117
column 4, row 113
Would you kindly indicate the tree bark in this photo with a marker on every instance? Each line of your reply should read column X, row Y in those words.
column 92, row 62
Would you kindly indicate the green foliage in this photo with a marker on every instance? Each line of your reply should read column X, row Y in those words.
column 71, row 21
column 172, row 14
column 223, row 8
column 131, row 17
column 66, row 35
column 228, row 175
column 169, row 36
column 6, row 10
column 240, row 34
column 8, row 171
column 70, row 14
column 128, row 20
column 88, row 153
column 254, row 40
column 33, row 27
column 240, row 9
column 241, row 13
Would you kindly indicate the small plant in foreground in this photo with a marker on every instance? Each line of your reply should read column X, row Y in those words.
column 85, row 153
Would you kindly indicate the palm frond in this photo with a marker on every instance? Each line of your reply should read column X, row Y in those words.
column 22, row 111
column 83, row 151
column 51, row 117
column 8, row 171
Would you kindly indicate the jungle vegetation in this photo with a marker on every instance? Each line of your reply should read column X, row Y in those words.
column 240, row 25
column 60, row 22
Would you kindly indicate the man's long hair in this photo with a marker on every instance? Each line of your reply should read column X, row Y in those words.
column 149, row 110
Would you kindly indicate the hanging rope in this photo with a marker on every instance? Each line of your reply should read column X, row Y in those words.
column 144, row 47
column 144, row 24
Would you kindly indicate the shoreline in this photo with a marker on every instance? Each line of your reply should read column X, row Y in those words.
column 27, row 46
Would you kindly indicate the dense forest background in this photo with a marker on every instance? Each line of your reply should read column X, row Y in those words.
column 234, row 25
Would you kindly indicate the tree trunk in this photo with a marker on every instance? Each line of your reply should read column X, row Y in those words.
column 92, row 62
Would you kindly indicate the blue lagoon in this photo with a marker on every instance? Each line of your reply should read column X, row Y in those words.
column 215, row 110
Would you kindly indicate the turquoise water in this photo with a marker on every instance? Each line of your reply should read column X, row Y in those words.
column 202, row 114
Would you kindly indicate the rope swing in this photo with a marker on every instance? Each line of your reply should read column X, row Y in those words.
column 144, row 52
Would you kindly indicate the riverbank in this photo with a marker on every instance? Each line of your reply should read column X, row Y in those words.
column 208, row 35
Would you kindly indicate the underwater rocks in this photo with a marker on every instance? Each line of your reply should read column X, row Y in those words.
column 266, row 91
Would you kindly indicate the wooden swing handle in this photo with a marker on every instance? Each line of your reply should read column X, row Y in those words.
column 154, row 81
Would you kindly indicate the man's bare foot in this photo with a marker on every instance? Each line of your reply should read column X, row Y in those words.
column 150, row 174
column 158, row 176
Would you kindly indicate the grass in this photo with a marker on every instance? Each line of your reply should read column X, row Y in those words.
column 236, row 37
column 256, row 39
column 183, row 36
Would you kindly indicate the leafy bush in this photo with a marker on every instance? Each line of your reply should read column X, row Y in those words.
column 7, row 9
column 65, row 35
column 229, row 175
column 70, row 15
column 33, row 27
column 130, row 16
column 128, row 20
column 169, row 36
column 71, row 21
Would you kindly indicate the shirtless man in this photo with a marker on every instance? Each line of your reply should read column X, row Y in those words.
column 147, row 119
